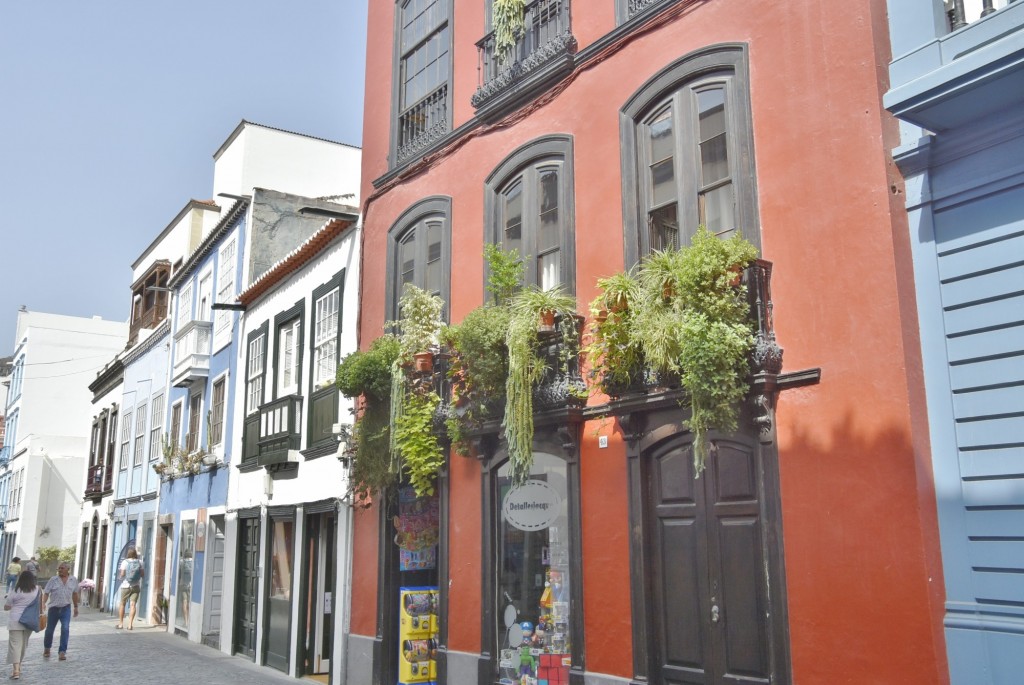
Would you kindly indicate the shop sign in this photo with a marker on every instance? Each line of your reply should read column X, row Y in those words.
column 533, row 506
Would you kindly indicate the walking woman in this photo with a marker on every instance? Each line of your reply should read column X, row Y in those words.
column 25, row 593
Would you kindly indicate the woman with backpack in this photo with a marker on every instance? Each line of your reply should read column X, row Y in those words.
column 131, row 586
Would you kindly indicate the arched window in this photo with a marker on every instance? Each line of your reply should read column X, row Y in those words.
column 687, row 153
column 529, row 207
column 419, row 251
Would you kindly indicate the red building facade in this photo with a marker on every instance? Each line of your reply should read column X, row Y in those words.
column 809, row 551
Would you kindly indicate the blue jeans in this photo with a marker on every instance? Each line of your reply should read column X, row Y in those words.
column 11, row 580
column 54, row 614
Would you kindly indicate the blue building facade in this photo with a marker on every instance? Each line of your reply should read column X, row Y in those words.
column 140, row 434
column 194, row 473
column 957, row 86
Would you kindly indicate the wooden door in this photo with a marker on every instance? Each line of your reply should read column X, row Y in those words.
column 248, row 586
column 215, row 584
column 708, row 606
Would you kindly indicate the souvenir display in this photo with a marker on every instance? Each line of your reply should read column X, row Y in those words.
column 417, row 529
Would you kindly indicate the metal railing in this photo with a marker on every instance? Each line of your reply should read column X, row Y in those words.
column 546, row 30
column 423, row 123
column 964, row 12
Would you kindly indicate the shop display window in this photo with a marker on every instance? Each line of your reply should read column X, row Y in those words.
column 533, row 575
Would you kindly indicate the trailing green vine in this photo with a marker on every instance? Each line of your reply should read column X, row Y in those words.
column 525, row 369
column 507, row 18
column 421, row 452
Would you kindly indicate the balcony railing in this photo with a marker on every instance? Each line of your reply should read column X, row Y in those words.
column 192, row 353
column 95, row 483
column 151, row 318
column 963, row 12
column 279, row 436
column 546, row 38
column 422, row 124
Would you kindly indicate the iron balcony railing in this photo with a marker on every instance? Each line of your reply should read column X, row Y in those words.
column 192, row 352
column 423, row 123
column 546, row 36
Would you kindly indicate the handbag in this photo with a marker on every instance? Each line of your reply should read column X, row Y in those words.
column 32, row 617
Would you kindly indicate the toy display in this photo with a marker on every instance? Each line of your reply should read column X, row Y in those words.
column 541, row 656
column 417, row 635
column 417, row 531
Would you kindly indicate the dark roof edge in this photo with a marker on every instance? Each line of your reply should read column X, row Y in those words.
column 206, row 246
column 191, row 204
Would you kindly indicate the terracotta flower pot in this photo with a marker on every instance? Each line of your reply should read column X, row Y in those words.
column 547, row 320
column 423, row 361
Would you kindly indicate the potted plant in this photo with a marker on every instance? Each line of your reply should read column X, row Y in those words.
column 420, row 326
column 615, row 354
column 688, row 319
column 526, row 367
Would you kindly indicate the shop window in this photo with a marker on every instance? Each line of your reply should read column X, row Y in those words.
column 687, row 154
column 419, row 251
column 533, row 621
column 530, row 209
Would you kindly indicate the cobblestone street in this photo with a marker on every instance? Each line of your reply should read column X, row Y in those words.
column 97, row 653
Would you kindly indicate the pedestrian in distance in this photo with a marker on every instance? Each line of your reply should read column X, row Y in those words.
column 32, row 566
column 13, row 571
column 61, row 599
column 132, row 573
column 24, row 598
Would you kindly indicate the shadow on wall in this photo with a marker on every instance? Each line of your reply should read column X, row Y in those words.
column 863, row 564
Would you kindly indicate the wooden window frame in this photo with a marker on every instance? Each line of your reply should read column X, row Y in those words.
column 414, row 219
column 252, row 376
column 193, row 438
column 126, row 435
column 219, row 408
column 523, row 163
column 725, row 64
column 156, row 424
column 293, row 316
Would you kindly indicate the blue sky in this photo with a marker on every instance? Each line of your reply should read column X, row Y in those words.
column 110, row 112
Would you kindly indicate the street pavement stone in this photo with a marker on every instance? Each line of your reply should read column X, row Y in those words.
column 100, row 655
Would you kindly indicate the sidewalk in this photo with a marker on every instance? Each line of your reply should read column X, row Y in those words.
column 100, row 655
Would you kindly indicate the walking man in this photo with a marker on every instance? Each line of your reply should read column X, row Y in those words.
column 59, row 595
column 131, row 584
column 32, row 566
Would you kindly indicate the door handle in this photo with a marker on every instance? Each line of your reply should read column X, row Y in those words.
column 714, row 613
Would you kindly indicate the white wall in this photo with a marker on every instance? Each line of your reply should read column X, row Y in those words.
column 261, row 157
column 62, row 356
column 180, row 237
column 320, row 478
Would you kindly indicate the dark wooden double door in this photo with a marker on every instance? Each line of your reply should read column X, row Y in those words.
column 708, row 614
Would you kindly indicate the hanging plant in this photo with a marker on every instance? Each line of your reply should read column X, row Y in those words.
column 526, row 368
column 367, row 374
column 420, row 450
column 616, row 355
column 507, row 17
column 690, row 319
column 420, row 325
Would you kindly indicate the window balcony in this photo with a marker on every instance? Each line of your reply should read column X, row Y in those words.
column 5, row 455
column 96, row 484
column 422, row 124
column 279, row 434
column 541, row 56
column 192, row 353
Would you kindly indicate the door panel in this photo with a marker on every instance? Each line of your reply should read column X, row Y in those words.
column 706, row 564
column 248, row 583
